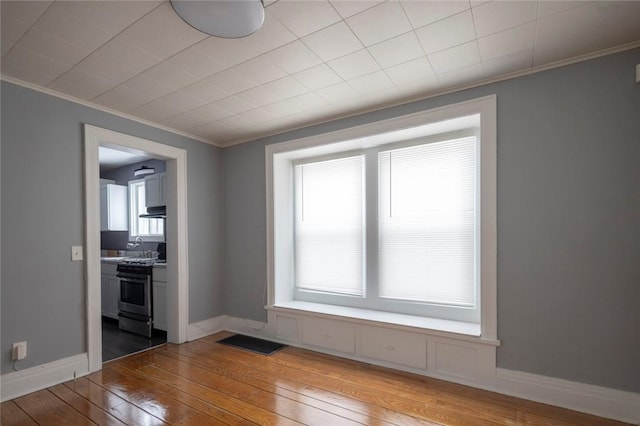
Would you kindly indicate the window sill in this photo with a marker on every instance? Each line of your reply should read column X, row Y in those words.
column 462, row 330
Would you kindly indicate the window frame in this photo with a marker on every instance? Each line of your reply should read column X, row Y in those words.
column 134, row 219
column 399, row 131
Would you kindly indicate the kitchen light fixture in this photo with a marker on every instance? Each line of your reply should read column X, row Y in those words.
column 144, row 170
column 222, row 18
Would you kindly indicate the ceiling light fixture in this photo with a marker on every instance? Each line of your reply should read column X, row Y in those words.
column 222, row 18
column 144, row 170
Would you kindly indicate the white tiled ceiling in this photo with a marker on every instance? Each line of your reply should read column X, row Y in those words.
column 312, row 61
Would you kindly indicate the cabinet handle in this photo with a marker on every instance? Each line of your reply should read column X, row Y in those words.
column 390, row 348
column 326, row 336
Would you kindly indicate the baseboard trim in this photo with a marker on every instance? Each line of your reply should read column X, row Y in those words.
column 597, row 400
column 198, row 330
column 13, row 385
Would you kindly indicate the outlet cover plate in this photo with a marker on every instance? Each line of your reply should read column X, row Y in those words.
column 76, row 253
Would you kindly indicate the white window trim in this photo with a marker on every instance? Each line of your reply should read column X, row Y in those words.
column 439, row 120
column 132, row 235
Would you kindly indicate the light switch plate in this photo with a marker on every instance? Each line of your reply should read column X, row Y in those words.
column 76, row 252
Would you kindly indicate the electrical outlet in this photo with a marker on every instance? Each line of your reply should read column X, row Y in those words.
column 76, row 253
column 19, row 351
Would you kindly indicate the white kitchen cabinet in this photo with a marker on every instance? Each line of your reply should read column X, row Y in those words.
column 113, row 208
column 160, row 298
column 110, row 290
column 155, row 189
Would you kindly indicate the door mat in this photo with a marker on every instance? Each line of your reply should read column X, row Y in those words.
column 252, row 344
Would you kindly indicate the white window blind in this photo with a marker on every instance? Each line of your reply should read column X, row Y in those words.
column 329, row 226
column 427, row 217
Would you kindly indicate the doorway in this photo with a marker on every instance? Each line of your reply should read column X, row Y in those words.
column 176, row 231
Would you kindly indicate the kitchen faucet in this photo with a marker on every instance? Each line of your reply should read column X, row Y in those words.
column 140, row 242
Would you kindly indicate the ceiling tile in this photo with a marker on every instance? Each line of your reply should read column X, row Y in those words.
column 448, row 32
column 294, row 104
column 21, row 63
column 370, row 83
column 516, row 61
column 411, row 71
column 150, row 87
column 161, row 33
column 234, row 122
column 234, row 105
column 461, row 76
column 304, row 17
column 206, row 91
column 197, row 61
column 347, row 8
column 584, row 29
column 47, row 45
column 116, row 71
column 421, row 13
column 397, row 50
column 232, row 81
column 26, row 11
column 417, row 88
column 496, row 16
column 157, row 110
column 11, row 31
column 271, row 36
column 197, row 117
column 317, row 77
column 56, row 21
column 380, row 23
column 182, row 101
column 229, row 52
column 507, row 42
column 337, row 93
column 547, row 8
column 354, row 65
column 123, row 98
column 260, row 70
column 170, row 75
column 110, row 16
column 333, row 42
column 130, row 57
column 256, row 116
column 293, row 57
column 274, row 91
column 82, row 84
column 457, row 57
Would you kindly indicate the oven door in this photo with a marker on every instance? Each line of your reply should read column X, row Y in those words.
column 135, row 296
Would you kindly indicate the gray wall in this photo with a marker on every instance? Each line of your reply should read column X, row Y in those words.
column 568, row 219
column 43, row 292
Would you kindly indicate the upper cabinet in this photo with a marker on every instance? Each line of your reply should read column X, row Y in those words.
column 113, row 208
column 155, row 190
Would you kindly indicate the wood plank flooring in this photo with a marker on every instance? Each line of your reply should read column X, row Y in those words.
column 206, row 383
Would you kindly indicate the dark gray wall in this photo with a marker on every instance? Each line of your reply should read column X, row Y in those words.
column 43, row 292
column 568, row 219
column 117, row 240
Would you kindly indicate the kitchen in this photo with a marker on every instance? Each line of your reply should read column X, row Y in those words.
column 133, row 252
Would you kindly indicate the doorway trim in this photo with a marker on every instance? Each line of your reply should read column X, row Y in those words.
column 177, row 255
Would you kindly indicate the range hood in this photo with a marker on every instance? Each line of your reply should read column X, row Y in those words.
column 159, row 212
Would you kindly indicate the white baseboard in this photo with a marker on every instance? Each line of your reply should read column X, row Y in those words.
column 591, row 399
column 198, row 330
column 13, row 385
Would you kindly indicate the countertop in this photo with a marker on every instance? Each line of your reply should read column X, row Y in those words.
column 122, row 259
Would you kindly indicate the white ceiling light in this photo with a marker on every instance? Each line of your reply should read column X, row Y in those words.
column 222, row 18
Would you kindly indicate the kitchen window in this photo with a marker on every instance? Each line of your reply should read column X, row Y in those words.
column 147, row 229
column 392, row 218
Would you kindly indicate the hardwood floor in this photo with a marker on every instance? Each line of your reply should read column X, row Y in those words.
column 206, row 383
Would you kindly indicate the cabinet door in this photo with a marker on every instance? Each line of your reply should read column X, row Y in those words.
column 154, row 190
column 114, row 208
column 110, row 295
column 160, row 305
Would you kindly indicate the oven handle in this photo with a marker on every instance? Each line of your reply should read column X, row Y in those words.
column 138, row 277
